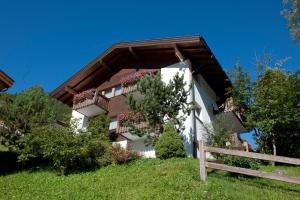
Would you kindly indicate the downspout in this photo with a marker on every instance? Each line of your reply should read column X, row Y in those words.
column 193, row 114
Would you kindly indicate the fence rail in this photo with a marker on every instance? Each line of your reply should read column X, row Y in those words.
column 203, row 164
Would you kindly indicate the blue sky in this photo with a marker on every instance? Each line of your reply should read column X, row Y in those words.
column 45, row 42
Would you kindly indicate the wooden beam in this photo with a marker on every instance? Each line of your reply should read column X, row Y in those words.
column 260, row 156
column 202, row 159
column 135, row 55
column 70, row 90
column 105, row 65
column 178, row 54
column 252, row 172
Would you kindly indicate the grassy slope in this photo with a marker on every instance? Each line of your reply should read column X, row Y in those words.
column 145, row 179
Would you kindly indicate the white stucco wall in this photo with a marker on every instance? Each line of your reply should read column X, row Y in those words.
column 80, row 121
column 140, row 147
column 167, row 74
column 122, row 143
column 205, row 100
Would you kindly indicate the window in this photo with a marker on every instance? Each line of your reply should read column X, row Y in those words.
column 113, row 124
column 112, row 92
column 108, row 93
column 118, row 90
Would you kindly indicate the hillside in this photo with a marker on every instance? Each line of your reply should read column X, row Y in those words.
column 144, row 179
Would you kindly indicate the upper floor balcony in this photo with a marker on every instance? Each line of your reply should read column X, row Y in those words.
column 129, row 83
column 90, row 103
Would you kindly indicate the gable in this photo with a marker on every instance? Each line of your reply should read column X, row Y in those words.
column 147, row 54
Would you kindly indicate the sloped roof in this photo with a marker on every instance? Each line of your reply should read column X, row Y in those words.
column 5, row 80
column 150, row 54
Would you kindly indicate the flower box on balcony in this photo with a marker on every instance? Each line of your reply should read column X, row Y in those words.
column 132, row 79
column 129, row 116
column 90, row 103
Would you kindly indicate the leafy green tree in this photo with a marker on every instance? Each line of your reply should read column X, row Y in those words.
column 276, row 109
column 160, row 102
column 169, row 144
column 218, row 134
column 241, row 92
column 292, row 14
column 25, row 111
column 65, row 149
column 98, row 126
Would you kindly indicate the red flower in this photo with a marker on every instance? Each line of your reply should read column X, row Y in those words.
column 81, row 97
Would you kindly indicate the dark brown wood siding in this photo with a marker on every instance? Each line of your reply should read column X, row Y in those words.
column 115, row 79
column 117, row 105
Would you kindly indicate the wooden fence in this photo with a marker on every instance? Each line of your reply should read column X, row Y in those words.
column 204, row 164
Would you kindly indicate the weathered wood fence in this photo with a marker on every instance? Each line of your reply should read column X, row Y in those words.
column 204, row 164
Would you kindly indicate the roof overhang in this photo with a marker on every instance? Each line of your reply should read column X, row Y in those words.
column 5, row 81
column 155, row 53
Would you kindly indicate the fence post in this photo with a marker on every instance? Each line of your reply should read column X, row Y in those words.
column 202, row 160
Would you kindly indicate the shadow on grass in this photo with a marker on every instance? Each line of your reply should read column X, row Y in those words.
column 261, row 183
column 8, row 162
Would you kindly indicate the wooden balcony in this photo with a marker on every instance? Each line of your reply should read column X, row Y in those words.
column 90, row 103
column 133, row 90
column 133, row 117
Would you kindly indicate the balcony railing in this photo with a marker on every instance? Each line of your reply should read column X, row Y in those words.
column 129, row 89
column 90, row 103
column 129, row 116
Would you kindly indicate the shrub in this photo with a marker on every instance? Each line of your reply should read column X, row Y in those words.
column 65, row 149
column 169, row 144
column 122, row 156
column 99, row 127
column 242, row 162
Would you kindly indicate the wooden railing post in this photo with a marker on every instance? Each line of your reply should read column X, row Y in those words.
column 202, row 160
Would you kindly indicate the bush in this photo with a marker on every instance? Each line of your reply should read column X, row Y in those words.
column 65, row 149
column 122, row 156
column 169, row 144
column 242, row 162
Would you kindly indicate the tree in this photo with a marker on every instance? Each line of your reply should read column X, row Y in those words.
column 65, row 148
column 160, row 102
column 292, row 14
column 241, row 91
column 276, row 109
column 98, row 126
column 169, row 144
column 25, row 111
column 217, row 133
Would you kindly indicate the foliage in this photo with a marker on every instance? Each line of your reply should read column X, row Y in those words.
column 241, row 91
column 134, row 78
column 81, row 97
column 160, row 102
column 276, row 111
column 218, row 134
column 128, row 116
column 146, row 179
column 292, row 14
column 65, row 149
column 169, row 144
column 25, row 111
column 121, row 155
column 242, row 162
column 99, row 127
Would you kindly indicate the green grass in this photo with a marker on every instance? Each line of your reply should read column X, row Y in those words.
column 145, row 179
